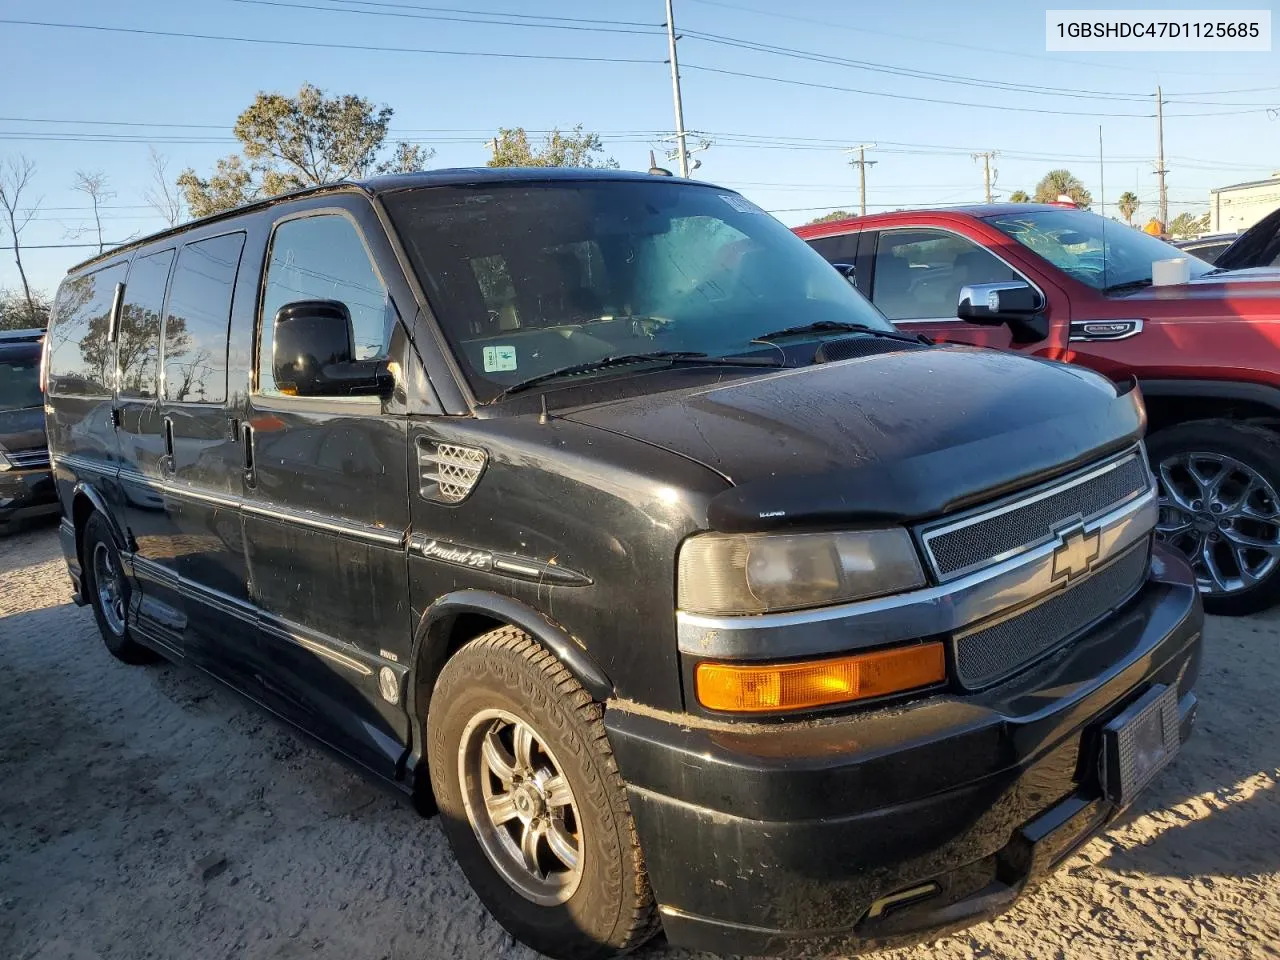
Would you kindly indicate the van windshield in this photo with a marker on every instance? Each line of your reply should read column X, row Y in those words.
column 529, row 278
column 1105, row 254
column 20, row 383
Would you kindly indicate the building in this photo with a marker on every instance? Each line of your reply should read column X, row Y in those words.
column 1241, row 205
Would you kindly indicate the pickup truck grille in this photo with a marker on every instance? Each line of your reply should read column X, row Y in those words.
column 29, row 459
column 991, row 534
column 991, row 653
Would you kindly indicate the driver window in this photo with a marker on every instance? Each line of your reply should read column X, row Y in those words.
column 323, row 258
column 918, row 273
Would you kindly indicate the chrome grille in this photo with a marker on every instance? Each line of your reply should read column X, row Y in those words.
column 449, row 471
column 1030, row 518
column 29, row 459
column 991, row 653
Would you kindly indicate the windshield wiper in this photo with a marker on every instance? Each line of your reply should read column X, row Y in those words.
column 671, row 356
column 840, row 326
column 1127, row 285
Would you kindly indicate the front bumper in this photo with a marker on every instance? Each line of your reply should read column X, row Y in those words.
column 26, row 495
column 896, row 824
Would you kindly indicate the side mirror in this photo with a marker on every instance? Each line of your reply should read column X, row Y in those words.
column 1012, row 302
column 848, row 271
column 313, row 353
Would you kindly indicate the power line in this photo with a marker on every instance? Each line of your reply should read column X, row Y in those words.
column 572, row 25
column 495, row 13
column 326, row 46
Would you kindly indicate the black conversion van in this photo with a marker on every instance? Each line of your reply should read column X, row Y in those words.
column 596, row 510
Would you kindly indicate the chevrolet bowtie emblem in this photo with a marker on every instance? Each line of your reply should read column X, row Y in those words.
column 1076, row 553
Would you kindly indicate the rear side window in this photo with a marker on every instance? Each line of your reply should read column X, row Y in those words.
column 138, row 342
column 324, row 258
column 81, row 356
column 199, row 312
column 841, row 249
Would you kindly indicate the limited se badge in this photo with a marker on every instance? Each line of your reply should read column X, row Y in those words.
column 499, row 359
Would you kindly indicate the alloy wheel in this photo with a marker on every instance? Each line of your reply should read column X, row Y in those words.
column 1223, row 516
column 109, row 580
column 521, row 807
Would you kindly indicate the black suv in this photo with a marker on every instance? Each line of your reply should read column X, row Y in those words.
column 26, row 485
column 597, row 511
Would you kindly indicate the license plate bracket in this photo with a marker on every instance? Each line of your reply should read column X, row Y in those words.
column 1139, row 743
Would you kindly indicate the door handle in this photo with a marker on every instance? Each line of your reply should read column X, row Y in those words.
column 246, row 453
column 168, row 466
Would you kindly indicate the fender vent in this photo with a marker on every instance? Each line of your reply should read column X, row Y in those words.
column 448, row 472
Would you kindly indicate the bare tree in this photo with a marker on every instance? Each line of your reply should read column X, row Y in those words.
column 163, row 195
column 15, row 177
column 94, row 185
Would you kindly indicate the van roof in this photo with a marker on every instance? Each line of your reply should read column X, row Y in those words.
column 392, row 183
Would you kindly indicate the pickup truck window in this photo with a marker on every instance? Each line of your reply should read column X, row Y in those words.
column 529, row 278
column 918, row 273
column 1101, row 253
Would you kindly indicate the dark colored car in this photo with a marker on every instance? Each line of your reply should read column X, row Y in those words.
column 596, row 511
column 1070, row 285
column 1259, row 246
column 1207, row 248
column 26, row 483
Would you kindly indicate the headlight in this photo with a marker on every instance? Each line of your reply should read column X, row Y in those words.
column 732, row 574
column 5, row 464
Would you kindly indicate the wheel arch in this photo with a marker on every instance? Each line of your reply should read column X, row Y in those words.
column 450, row 623
column 1171, row 402
column 86, row 499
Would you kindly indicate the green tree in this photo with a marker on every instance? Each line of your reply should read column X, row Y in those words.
column 299, row 141
column 1188, row 225
column 1129, row 204
column 1056, row 183
column 1019, row 196
column 511, row 148
column 832, row 216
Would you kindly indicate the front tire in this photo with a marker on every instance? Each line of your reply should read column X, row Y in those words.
column 1220, row 507
column 532, row 802
column 108, row 591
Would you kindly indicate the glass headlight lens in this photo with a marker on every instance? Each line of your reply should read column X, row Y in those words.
column 4, row 461
column 732, row 574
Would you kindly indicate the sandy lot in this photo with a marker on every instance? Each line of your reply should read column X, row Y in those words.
column 119, row 786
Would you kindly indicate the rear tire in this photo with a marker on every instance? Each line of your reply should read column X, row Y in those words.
column 1220, row 507
column 108, row 590
column 532, row 802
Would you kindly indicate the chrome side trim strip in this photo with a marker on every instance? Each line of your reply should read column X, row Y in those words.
column 80, row 463
column 919, row 613
column 346, row 528
column 1017, row 502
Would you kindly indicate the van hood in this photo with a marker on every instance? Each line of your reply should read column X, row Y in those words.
column 895, row 436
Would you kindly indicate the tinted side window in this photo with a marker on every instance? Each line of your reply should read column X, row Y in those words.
column 323, row 258
column 81, row 357
column 195, row 326
column 138, row 342
column 919, row 273
column 841, row 249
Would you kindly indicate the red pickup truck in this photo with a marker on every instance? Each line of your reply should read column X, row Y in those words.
column 1066, row 284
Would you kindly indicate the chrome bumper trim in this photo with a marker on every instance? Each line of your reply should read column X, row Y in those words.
column 1015, row 583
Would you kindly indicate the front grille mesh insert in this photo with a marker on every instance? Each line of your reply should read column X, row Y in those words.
column 28, row 459
column 992, row 653
column 964, row 546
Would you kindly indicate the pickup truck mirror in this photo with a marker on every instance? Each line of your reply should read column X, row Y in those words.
column 848, row 271
column 1012, row 302
column 313, row 353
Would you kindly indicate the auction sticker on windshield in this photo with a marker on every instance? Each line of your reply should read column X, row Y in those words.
column 499, row 359
column 1103, row 31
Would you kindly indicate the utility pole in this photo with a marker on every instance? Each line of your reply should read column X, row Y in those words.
column 986, row 159
column 682, row 151
column 862, row 163
column 1160, row 168
column 1102, row 178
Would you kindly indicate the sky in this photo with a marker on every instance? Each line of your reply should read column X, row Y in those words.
column 779, row 124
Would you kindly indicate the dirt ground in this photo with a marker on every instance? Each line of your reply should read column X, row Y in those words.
column 146, row 812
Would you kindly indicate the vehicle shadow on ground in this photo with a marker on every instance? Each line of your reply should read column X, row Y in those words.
column 1216, row 811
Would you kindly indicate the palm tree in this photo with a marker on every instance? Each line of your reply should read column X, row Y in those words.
column 1129, row 204
column 1019, row 196
column 1057, row 183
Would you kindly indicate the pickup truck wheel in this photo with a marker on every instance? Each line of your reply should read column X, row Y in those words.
column 1220, row 507
column 108, row 591
column 532, row 802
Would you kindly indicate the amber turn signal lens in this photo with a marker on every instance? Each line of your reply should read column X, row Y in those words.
column 768, row 688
